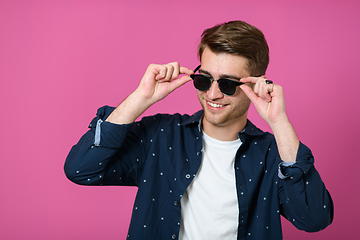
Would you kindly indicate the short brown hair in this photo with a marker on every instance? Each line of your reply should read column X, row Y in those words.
column 238, row 38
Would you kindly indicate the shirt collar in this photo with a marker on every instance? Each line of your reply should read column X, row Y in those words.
column 194, row 119
column 250, row 128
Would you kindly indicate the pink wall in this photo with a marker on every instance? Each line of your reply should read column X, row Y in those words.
column 61, row 60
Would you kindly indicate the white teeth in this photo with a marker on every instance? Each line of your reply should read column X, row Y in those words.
column 214, row 104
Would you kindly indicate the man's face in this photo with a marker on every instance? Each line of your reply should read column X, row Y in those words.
column 219, row 109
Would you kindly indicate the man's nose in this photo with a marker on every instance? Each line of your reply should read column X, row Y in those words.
column 214, row 91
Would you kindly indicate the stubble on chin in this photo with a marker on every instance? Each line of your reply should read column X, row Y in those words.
column 215, row 118
column 224, row 118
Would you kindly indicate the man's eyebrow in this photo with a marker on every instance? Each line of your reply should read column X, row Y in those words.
column 221, row 76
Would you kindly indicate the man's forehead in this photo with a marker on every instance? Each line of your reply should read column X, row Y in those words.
column 220, row 64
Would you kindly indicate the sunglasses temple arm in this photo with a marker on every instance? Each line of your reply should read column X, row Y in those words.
column 197, row 68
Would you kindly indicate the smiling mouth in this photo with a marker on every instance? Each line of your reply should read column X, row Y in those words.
column 215, row 105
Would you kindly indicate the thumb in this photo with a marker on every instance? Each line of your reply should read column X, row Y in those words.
column 249, row 92
column 179, row 82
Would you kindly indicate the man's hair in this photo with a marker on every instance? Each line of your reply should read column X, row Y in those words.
column 238, row 38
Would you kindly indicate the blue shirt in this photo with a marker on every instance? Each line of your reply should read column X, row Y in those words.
column 161, row 155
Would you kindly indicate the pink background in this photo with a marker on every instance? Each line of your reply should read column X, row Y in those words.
column 61, row 60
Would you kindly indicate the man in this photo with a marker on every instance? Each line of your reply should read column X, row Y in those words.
column 212, row 175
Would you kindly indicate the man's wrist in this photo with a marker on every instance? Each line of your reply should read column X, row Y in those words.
column 129, row 110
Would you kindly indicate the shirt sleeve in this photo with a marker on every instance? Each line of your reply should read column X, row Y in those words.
column 304, row 200
column 101, row 157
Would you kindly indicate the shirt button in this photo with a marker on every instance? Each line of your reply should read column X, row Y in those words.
column 173, row 236
column 187, row 176
column 198, row 153
column 176, row 203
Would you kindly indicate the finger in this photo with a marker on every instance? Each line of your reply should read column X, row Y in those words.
column 176, row 71
column 179, row 70
column 249, row 92
column 266, row 95
column 262, row 87
column 184, row 70
column 169, row 72
column 256, row 85
column 179, row 82
column 264, row 92
column 250, row 80
column 255, row 96
column 268, row 88
column 160, row 72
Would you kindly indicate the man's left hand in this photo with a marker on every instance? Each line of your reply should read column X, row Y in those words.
column 267, row 97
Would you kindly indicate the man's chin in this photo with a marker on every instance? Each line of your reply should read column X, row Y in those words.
column 215, row 119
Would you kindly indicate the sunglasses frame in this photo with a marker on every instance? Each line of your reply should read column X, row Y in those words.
column 236, row 83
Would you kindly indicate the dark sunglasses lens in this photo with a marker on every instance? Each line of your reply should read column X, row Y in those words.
column 227, row 87
column 201, row 83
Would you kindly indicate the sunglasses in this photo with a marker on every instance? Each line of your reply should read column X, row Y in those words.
column 203, row 83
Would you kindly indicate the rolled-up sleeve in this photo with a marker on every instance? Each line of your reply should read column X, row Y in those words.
column 88, row 161
column 304, row 200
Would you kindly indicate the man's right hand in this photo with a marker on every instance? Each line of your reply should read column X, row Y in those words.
column 157, row 82
column 160, row 80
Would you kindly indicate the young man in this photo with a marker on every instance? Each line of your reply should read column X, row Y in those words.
column 212, row 175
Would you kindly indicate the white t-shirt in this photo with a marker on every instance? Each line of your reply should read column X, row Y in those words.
column 209, row 206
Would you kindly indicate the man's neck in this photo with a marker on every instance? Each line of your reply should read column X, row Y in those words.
column 228, row 132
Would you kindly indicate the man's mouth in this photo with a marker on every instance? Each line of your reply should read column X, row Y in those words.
column 215, row 105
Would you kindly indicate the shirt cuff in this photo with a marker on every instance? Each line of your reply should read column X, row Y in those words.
column 108, row 134
column 98, row 132
column 282, row 165
column 304, row 161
